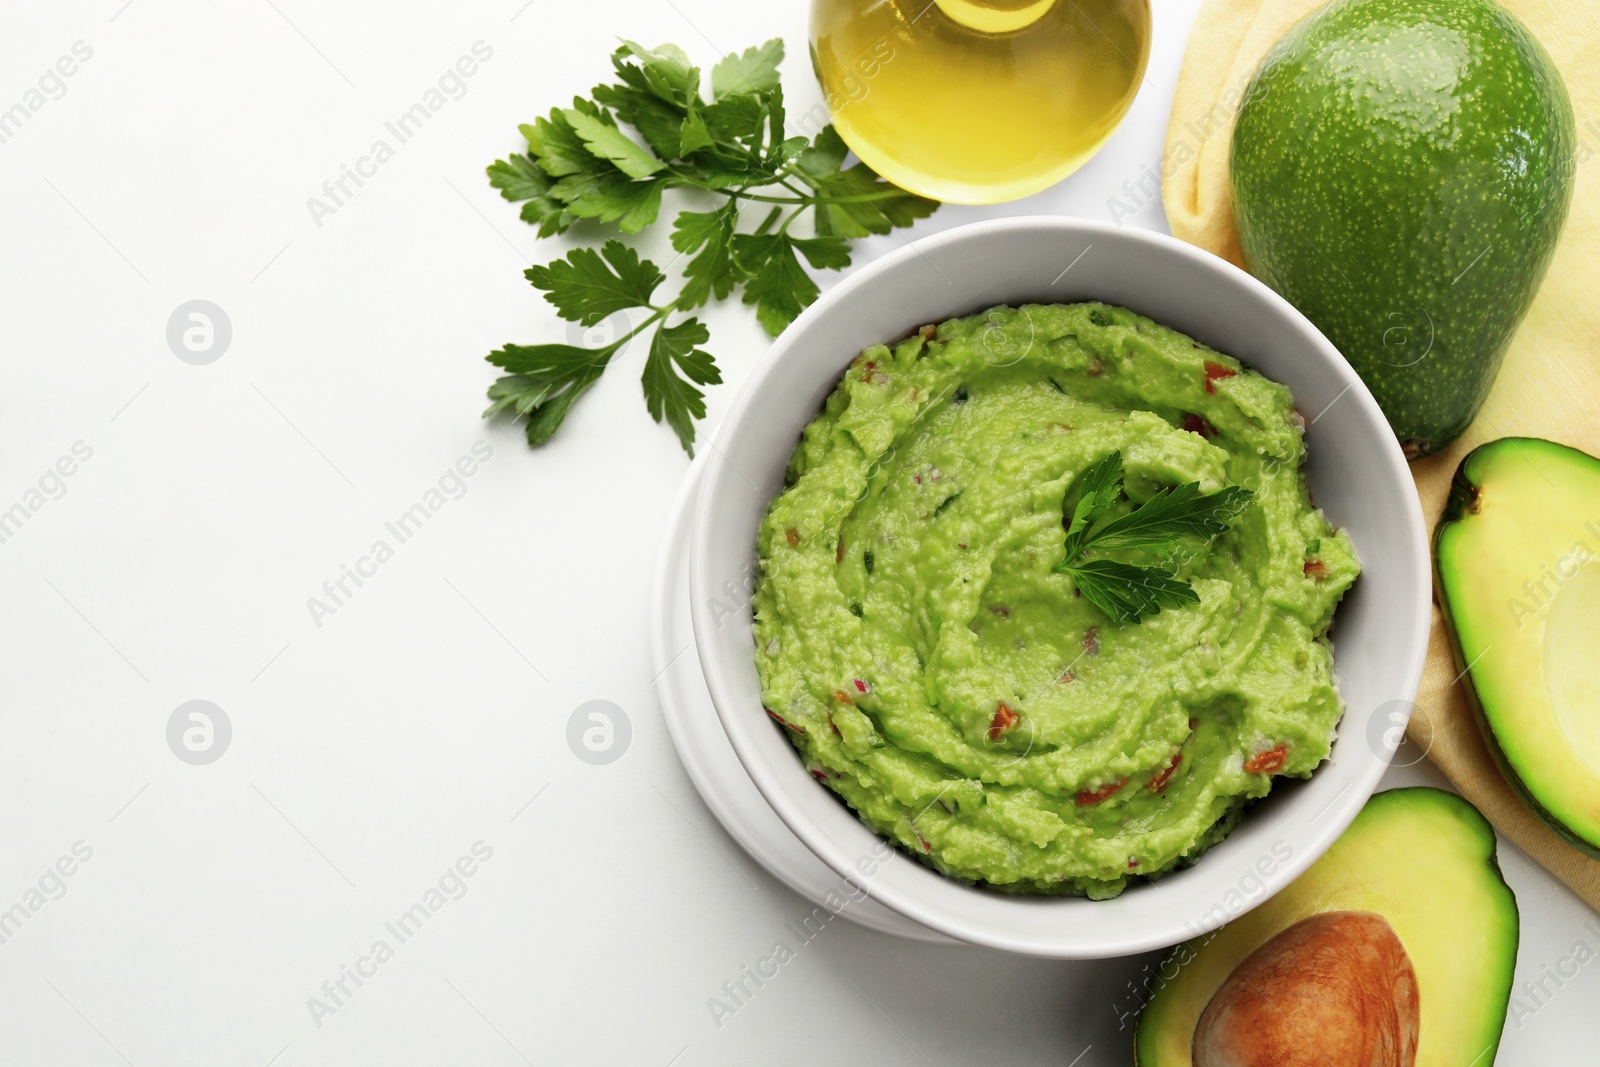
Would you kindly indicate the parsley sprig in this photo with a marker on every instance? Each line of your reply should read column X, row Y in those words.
column 1175, row 524
column 582, row 164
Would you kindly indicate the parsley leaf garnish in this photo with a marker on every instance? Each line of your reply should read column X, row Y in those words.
column 1098, row 489
column 589, row 286
column 611, row 157
column 1172, row 514
column 755, row 70
column 1128, row 593
column 1177, row 523
column 673, row 358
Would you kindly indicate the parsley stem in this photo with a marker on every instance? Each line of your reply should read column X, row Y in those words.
column 808, row 201
column 766, row 223
column 658, row 313
column 796, row 213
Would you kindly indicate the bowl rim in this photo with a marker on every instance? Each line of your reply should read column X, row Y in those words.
column 1409, row 528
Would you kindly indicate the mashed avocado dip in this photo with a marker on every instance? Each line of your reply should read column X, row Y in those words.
column 938, row 675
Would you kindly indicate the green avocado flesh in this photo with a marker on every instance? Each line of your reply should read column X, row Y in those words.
column 1517, row 559
column 1423, row 859
column 1401, row 171
column 907, row 595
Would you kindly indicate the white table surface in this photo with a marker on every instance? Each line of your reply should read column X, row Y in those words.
column 370, row 752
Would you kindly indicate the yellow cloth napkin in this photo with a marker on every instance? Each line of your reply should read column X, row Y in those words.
column 1549, row 386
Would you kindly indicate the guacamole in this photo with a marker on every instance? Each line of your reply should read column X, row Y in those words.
column 933, row 669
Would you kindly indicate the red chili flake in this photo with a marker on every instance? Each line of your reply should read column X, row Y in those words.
column 917, row 478
column 1091, row 642
column 1215, row 372
column 821, row 776
column 1105, row 792
column 1061, row 427
column 1132, row 862
column 842, row 697
column 1163, row 776
column 861, row 687
column 781, row 721
column 927, row 332
column 1269, row 762
column 1094, row 367
column 793, row 535
column 926, row 847
column 1195, row 424
column 838, row 557
column 1004, row 719
column 961, row 544
column 1067, row 676
column 833, row 725
column 1000, row 609
column 1316, row 569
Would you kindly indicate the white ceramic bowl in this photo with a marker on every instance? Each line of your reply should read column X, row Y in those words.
column 1356, row 474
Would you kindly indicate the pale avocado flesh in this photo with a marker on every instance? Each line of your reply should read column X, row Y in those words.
column 1422, row 858
column 1401, row 172
column 1517, row 560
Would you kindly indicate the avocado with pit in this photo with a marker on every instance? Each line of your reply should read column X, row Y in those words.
column 1515, row 560
column 1395, row 949
column 1401, row 170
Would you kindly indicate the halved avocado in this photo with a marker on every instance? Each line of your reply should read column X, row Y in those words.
column 1515, row 560
column 1424, row 860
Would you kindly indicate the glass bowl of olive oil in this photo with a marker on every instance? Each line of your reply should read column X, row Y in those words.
column 978, row 101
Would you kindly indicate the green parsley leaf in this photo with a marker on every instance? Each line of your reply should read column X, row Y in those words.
column 674, row 363
column 858, row 203
column 605, row 141
column 712, row 272
column 693, row 135
column 777, row 285
column 658, row 121
column 1176, row 512
column 664, row 70
column 825, row 155
column 1128, row 593
column 557, row 146
column 755, row 70
column 587, row 288
column 544, row 382
column 610, row 197
column 519, row 178
column 1098, row 488
column 735, row 121
column 824, row 253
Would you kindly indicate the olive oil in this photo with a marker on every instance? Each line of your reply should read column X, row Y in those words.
column 978, row 101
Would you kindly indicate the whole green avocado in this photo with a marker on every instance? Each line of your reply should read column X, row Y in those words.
column 1401, row 171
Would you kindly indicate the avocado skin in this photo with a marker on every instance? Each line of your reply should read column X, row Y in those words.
column 1464, row 490
column 1401, row 172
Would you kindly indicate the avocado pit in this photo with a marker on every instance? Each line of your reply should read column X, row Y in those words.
column 1335, row 988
